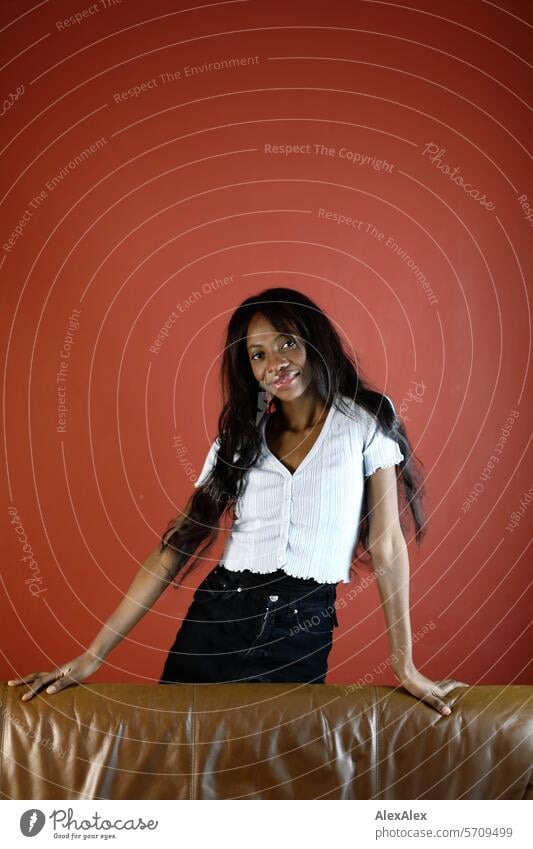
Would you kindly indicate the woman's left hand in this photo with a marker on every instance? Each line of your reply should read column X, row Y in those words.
column 431, row 692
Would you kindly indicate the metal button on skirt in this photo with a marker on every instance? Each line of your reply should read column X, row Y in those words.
column 244, row 627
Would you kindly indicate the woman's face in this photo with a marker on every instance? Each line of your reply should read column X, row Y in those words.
column 277, row 355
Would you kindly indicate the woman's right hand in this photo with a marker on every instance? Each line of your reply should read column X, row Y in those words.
column 72, row 672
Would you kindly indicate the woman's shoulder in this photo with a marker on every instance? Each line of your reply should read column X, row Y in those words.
column 353, row 422
column 358, row 420
column 357, row 409
column 353, row 410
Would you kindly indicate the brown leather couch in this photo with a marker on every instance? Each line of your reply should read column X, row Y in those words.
column 265, row 741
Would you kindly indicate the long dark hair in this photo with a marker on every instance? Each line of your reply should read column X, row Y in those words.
column 334, row 374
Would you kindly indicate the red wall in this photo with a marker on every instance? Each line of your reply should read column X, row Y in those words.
column 182, row 192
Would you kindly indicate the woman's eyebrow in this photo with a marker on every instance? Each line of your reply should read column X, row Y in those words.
column 260, row 346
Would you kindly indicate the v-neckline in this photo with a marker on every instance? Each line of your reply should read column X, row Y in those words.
column 314, row 448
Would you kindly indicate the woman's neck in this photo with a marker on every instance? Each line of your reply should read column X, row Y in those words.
column 300, row 415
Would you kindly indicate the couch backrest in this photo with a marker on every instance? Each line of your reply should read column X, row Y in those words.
column 265, row 741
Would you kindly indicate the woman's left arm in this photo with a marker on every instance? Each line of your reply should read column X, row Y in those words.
column 390, row 561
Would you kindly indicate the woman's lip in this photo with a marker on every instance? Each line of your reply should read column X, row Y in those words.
column 285, row 381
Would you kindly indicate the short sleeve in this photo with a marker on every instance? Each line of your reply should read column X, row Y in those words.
column 209, row 462
column 381, row 450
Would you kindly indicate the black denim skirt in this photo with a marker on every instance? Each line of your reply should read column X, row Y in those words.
column 245, row 627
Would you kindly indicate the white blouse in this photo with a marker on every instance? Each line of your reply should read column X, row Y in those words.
column 307, row 522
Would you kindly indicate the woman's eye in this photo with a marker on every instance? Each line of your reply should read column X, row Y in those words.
column 292, row 342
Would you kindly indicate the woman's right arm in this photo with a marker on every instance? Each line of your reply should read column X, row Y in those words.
column 152, row 578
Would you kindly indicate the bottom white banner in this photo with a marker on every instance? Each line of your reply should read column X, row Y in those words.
column 236, row 823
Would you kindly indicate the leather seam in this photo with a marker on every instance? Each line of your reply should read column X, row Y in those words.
column 376, row 750
column 193, row 777
column 2, row 735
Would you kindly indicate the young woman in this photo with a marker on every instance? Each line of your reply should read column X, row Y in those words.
column 305, row 480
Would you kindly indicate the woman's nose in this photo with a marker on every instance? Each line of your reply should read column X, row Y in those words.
column 274, row 363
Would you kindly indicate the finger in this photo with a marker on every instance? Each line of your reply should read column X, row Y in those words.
column 29, row 694
column 438, row 704
column 41, row 681
column 444, row 683
column 439, row 692
column 26, row 680
column 61, row 682
column 449, row 685
column 60, row 685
